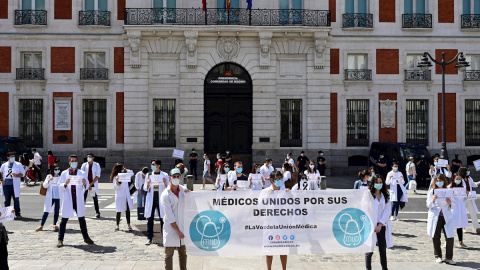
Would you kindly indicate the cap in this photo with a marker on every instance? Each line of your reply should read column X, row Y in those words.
column 175, row 171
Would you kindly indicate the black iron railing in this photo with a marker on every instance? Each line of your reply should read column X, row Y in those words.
column 31, row 122
column 94, row 74
column 417, row 20
column 30, row 74
column 472, row 75
column 234, row 16
column 94, row 17
column 33, row 17
column 358, row 74
column 357, row 20
column 418, row 75
column 470, row 21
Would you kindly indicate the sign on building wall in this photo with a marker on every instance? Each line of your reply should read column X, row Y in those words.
column 63, row 114
column 388, row 109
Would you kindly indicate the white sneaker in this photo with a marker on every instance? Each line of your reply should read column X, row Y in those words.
column 438, row 260
column 392, row 218
column 451, row 262
column 396, row 218
column 202, row 188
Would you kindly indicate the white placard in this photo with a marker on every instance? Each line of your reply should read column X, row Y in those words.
column 7, row 214
column 278, row 169
column 242, row 185
column 443, row 193
column 75, row 180
column 178, row 153
column 472, row 195
column 124, row 177
column 63, row 114
column 476, row 163
column 459, row 192
column 156, row 179
column 311, row 176
column 442, row 162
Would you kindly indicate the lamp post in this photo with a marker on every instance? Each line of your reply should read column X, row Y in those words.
column 425, row 64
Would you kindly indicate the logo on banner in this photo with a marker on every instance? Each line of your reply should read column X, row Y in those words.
column 351, row 227
column 210, row 230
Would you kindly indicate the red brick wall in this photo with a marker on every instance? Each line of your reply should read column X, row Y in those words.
column 4, row 112
column 446, row 11
column 333, row 118
column 3, row 9
column 334, row 61
column 451, row 116
column 449, row 54
column 63, row 9
column 5, row 59
column 118, row 61
column 121, row 9
column 387, row 134
column 120, row 118
column 387, row 61
column 63, row 60
column 63, row 136
column 387, row 10
column 332, row 6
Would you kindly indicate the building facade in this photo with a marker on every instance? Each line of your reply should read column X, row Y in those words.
column 132, row 80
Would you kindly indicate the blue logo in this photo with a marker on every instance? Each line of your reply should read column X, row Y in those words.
column 351, row 227
column 292, row 237
column 210, row 230
column 285, row 237
column 270, row 237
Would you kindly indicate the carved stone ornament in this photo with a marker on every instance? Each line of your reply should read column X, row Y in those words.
column 191, row 42
column 388, row 111
column 320, row 45
column 265, row 43
column 228, row 48
column 134, row 43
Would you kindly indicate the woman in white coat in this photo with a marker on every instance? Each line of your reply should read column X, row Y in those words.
column 398, row 193
column 256, row 184
column 464, row 172
column 313, row 175
column 440, row 218
column 123, row 200
column 52, row 197
column 460, row 211
column 383, row 233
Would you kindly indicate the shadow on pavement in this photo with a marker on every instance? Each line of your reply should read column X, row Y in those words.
column 96, row 248
column 473, row 265
column 414, row 221
column 26, row 219
column 404, row 248
column 404, row 235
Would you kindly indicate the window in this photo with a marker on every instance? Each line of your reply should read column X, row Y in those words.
column 31, row 60
column 95, row 13
column 417, row 121
column 94, row 123
column 291, row 11
column 31, row 122
column 94, row 67
column 471, row 7
column 413, row 60
column 472, row 122
column 31, row 67
column 357, row 15
column 415, row 6
column 165, row 14
column 472, row 73
column 96, row 5
column 356, row 6
column 471, row 14
column 414, row 73
column 32, row 12
column 357, row 68
column 290, row 123
column 414, row 15
column 357, row 61
column 357, row 122
column 164, row 123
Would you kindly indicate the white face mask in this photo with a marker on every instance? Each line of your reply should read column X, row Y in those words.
column 175, row 181
column 89, row 159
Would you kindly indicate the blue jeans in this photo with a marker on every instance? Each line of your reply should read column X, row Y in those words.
column 395, row 208
column 9, row 193
column 410, row 178
column 55, row 213
column 141, row 198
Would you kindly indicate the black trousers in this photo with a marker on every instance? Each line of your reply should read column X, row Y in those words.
column 95, row 200
column 127, row 215
column 193, row 170
column 63, row 226
column 38, row 171
column 437, row 249
column 382, row 249
column 3, row 256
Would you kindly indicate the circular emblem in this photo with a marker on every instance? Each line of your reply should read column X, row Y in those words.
column 210, row 230
column 351, row 227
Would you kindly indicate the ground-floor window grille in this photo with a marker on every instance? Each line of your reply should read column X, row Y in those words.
column 290, row 123
column 357, row 122
column 94, row 123
column 164, row 123
column 31, row 122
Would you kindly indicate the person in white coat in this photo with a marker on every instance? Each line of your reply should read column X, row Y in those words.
column 383, row 233
column 464, row 172
column 172, row 201
column 411, row 171
column 12, row 172
column 154, row 189
column 256, row 173
column 52, row 197
column 313, row 175
column 398, row 192
column 139, row 182
column 460, row 211
column 72, row 201
column 123, row 200
column 436, row 170
column 440, row 218
column 92, row 171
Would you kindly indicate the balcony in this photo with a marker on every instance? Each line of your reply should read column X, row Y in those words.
column 30, row 74
column 94, row 18
column 30, row 17
column 472, row 75
column 357, row 20
column 417, row 20
column 94, row 74
column 470, row 21
column 234, row 16
column 358, row 74
column 418, row 75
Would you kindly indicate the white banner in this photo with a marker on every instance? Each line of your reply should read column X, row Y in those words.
column 253, row 223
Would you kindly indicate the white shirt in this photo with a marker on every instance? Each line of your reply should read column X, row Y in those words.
column 37, row 158
column 206, row 165
column 266, row 171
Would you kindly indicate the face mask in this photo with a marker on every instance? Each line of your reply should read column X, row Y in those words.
column 153, row 167
column 228, row 152
column 278, row 183
column 288, row 157
column 227, row 169
column 89, row 159
column 304, row 179
column 439, row 184
column 258, row 170
column 321, row 154
column 270, row 165
column 56, row 171
column 239, row 170
column 381, row 156
column 218, row 157
column 395, row 169
column 436, row 164
column 458, row 181
column 12, row 159
column 302, row 155
column 175, row 181
column 193, row 152
column 74, row 165
column 204, row 157
column 468, row 173
column 378, row 186
column 312, row 166
column 373, row 174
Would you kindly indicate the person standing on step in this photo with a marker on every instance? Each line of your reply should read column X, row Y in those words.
column 302, row 162
column 123, row 200
column 92, row 169
column 193, row 162
column 52, row 197
column 12, row 172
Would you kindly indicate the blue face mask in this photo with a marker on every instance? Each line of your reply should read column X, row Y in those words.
column 74, row 165
column 227, row 169
column 258, row 170
column 458, row 182
column 436, row 164
column 468, row 173
column 153, row 167
column 56, row 171
column 395, row 169
column 278, row 183
column 378, row 186
column 270, row 165
column 311, row 166
column 239, row 170
column 439, row 184
column 12, row 159
column 373, row 174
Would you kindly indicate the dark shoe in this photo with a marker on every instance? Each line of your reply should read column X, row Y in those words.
column 98, row 215
column 59, row 244
column 88, row 241
column 18, row 217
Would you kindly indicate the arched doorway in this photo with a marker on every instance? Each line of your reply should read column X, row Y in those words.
column 228, row 112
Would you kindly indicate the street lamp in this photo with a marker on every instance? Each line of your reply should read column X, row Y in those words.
column 425, row 64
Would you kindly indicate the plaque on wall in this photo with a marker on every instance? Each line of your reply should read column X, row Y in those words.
column 388, row 109
column 63, row 114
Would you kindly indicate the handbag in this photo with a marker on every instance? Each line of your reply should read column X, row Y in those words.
column 43, row 191
column 412, row 185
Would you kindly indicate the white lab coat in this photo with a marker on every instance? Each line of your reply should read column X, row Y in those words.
column 150, row 193
column 66, row 204
column 471, row 201
column 396, row 179
column 96, row 170
column 433, row 172
column 16, row 169
column 382, row 213
column 266, row 171
column 231, row 178
column 460, row 217
column 122, row 194
column 173, row 209
column 434, row 212
column 317, row 178
column 48, row 197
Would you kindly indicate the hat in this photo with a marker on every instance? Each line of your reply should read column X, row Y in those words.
column 175, row 171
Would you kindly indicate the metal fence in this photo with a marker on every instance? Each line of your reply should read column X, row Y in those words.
column 470, row 21
column 358, row 74
column 94, row 74
column 30, row 74
column 94, row 17
column 33, row 17
column 472, row 75
column 94, row 123
column 31, row 122
column 290, row 123
column 472, row 122
column 417, row 121
column 417, row 20
column 164, row 123
column 357, row 122
column 418, row 75
column 357, row 20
